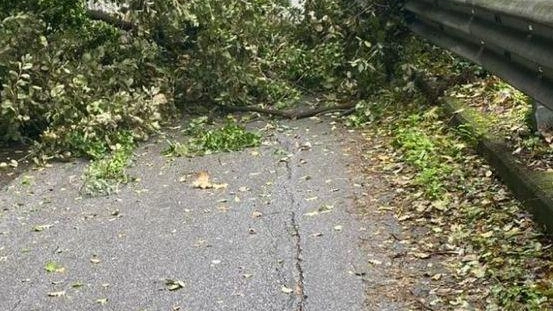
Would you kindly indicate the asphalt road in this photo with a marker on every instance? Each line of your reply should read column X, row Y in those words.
column 283, row 235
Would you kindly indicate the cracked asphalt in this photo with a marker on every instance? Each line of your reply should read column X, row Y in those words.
column 284, row 234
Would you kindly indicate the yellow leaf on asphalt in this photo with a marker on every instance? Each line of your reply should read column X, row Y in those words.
column 202, row 182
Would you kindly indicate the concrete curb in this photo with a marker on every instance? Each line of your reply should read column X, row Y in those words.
column 533, row 189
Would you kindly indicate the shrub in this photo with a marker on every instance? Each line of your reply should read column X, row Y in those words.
column 75, row 91
column 72, row 83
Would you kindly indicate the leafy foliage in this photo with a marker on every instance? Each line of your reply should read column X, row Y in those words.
column 55, row 13
column 78, row 86
column 450, row 196
column 230, row 137
column 426, row 153
column 74, row 97
column 71, row 82
column 103, row 175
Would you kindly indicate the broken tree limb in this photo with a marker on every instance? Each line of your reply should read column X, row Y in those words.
column 289, row 114
column 433, row 89
column 110, row 19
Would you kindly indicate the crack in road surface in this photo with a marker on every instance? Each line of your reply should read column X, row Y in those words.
column 300, row 281
column 299, row 288
column 155, row 237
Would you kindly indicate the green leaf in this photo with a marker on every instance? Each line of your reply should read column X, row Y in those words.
column 53, row 266
column 174, row 285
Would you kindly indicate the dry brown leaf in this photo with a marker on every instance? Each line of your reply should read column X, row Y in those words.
column 202, row 182
column 421, row 255
column 219, row 186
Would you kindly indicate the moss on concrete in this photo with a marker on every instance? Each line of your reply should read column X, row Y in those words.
column 533, row 189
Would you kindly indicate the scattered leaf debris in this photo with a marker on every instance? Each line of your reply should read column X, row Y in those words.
column 202, row 182
column 173, row 285
column 56, row 294
column 286, row 289
column 54, row 267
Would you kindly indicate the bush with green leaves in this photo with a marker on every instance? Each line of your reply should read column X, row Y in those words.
column 56, row 14
column 73, row 91
column 71, row 81
column 265, row 52
column 369, row 34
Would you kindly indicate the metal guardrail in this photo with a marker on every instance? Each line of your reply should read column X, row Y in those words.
column 511, row 38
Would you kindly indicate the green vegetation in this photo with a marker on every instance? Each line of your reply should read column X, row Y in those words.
column 71, row 81
column 450, row 192
column 52, row 266
column 493, row 104
column 75, row 84
column 497, row 258
column 204, row 140
column 505, row 114
column 105, row 174
column 430, row 155
column 75, row 87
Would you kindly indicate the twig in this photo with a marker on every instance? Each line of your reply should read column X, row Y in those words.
column 425, row 306
column 110, row 19
column 288, row 114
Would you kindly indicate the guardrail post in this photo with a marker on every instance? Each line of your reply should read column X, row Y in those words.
column 542, row 117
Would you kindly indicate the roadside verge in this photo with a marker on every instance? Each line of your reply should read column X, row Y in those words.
column 533, row 189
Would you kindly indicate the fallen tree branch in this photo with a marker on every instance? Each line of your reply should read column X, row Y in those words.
column 110, row 19
column 434, row 89
column 289, row 114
